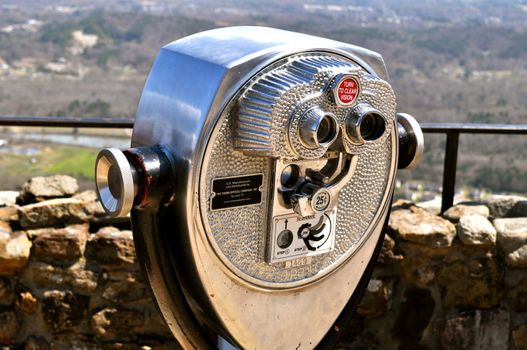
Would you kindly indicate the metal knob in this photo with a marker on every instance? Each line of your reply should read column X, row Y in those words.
column 116, row 182
column 411, row 141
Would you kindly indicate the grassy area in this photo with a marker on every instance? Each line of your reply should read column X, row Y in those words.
column 78, row 162
column 74, row 161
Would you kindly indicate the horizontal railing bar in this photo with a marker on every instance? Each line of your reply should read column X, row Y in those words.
column 73, row 122
column 473, row 128
column 124, row 123
column 452, row 130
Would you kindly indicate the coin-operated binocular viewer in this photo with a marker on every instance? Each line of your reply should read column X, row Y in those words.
column 260, row 177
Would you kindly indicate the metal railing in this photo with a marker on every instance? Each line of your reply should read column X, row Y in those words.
column 68, row 122
column 451, row 130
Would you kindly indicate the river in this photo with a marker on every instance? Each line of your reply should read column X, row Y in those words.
column 92, row 141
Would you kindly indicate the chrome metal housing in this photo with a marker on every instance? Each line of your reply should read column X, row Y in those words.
column 187, row 107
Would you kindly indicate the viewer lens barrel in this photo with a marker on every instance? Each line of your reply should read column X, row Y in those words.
column 364, row 123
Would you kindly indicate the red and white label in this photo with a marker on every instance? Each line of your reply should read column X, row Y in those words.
column 347, row 91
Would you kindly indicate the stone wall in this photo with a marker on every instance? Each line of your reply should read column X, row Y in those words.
column 70, row 280
column 457, row 282
column 67, row 280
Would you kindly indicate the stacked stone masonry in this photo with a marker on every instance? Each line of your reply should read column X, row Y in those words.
column 456, row 281
column 70, row 280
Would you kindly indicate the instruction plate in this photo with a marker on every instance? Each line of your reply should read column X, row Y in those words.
column 236, row 191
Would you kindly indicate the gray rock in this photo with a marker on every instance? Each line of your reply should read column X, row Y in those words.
column 494, row 330
column 517, row 258
column 61, row 246
column 476, row 230
column 433, row 205
column 91, row 203
column 8, row 198
column 82, row 280
column 501, row 206
column 512, row 239
column 63, row 309
column 14, row 250
column 467, row 208
column 77, row 277
column 41, row 188
column 34, row 233
column 512, row 232
column 123, row 287
column 471, row 283
column 8, row 327
column 457, row 332
column 376, row 299
column 110, row 246
column 52, row 213
column 475, row 330
column 417, row 225
column 124, row 292
column 111, row 321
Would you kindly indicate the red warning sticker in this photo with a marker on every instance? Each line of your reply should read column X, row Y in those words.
column 347, row 91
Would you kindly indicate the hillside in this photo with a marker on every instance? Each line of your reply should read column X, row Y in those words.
column 448, row 61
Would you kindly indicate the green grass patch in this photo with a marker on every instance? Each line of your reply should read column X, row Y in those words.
column 78, row 162
column 74, row 161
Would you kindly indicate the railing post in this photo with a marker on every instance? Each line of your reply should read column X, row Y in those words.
column 449, row 170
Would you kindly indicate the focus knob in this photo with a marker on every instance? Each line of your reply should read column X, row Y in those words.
column 116, row 182
column 411, row 141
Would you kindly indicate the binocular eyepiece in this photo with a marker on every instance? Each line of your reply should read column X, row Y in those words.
column 318, row 128
column 364, row 124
